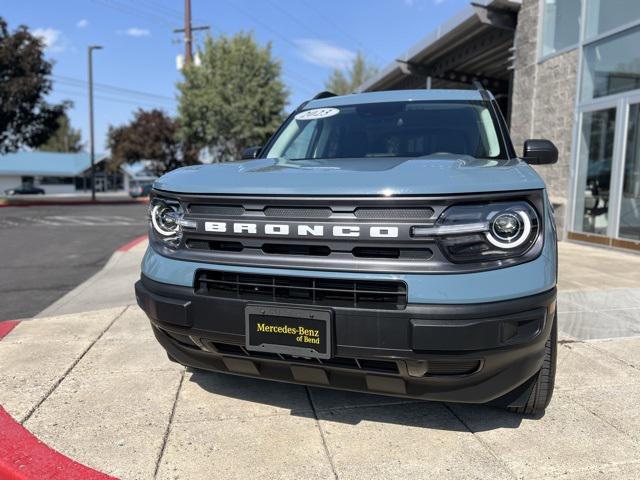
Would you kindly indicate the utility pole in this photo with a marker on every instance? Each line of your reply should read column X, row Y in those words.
column 188, row 38
column 188, row 33
column 90, row 50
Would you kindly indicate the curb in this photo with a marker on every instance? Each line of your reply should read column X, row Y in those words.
column 128, row 246
column 24, row 457
column 39, row 203
column 6, row 327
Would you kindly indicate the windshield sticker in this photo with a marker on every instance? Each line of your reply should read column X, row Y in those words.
column 317, row 113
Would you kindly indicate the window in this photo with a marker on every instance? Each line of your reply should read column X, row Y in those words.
column 594, row 175
column 392, row 129
column 612, row 66
column 605, row 15
column 560, row 25
column 630, row 205
column 57, row 181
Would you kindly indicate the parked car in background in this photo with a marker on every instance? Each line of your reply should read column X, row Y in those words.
column 25, row 190
column 140, row 190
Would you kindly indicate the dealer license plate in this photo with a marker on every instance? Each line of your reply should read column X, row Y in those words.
column 294, row 331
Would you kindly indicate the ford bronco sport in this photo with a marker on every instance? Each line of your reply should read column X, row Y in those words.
column 387, row 242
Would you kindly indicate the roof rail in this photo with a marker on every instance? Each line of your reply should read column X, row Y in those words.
column 477, row 84
column 325, row 94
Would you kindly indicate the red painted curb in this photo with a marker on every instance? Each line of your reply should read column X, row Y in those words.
column 6, row 327
column 24, row 457
column 129, row 245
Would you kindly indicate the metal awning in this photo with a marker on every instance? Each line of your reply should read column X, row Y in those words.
column 475, row 44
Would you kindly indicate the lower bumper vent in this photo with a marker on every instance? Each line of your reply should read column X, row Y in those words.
column 303, row 290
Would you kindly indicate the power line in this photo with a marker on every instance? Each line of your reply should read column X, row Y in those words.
column 109, row 99
column 111, row 88
column 272, row 30
column 136, row 11
column 298, row 84
column 293, row 77
column 344, row 32
column 286, row 13
column 168, row 10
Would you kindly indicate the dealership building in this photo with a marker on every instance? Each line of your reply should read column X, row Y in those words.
column 70, row 173
column 565, row 70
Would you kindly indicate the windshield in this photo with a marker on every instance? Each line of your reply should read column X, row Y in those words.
column 392, row 129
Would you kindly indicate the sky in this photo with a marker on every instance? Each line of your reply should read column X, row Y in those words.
column 137, row 67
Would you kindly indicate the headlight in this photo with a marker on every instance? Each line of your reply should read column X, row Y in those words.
column 484, row 232
column 166, row 220
column 509, row 229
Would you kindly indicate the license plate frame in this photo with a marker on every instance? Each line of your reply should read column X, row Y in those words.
column 290, row 319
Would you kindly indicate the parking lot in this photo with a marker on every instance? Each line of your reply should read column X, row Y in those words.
column 97, row 387
column 48, row 250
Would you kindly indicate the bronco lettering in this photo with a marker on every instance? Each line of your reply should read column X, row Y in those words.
column 302, row 230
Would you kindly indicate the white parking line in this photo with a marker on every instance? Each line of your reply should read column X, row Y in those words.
column 70, row 221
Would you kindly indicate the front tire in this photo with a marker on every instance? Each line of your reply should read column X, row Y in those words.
column 542, row 389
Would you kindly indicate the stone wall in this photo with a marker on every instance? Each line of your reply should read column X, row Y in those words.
column 544, row 96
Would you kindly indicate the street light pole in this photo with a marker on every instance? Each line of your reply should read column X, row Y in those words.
column 90, row 50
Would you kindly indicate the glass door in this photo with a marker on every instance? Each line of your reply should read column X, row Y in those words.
column 595, row 164
column 629, row 216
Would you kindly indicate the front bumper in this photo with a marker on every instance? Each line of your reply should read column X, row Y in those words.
column 474, row 353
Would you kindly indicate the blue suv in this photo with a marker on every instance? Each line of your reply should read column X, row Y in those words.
column 387, row 242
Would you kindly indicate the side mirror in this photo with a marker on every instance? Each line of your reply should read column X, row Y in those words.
column 251, row 152
column 540, row 152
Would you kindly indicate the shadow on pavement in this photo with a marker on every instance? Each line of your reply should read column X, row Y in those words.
column 353, row 407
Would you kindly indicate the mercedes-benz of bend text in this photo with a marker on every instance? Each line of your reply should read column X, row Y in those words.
column 390, row 242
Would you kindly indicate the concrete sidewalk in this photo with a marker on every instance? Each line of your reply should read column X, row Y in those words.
column 97, row 387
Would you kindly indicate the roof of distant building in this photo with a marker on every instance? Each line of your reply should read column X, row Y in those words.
column 49, row 164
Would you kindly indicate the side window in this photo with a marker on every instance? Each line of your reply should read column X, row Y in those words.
column 560, row 24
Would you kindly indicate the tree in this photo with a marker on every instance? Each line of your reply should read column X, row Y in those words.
column 344, row 82
column 234, row 99
column 26, row 119
column 64, row 139
column 151, row 135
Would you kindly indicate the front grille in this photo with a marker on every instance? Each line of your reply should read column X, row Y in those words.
column 372, row 234
column 297, row 212
column 400, row 253
column 423, row 254
column 387, row 295
column 394, row 213
column 214, row 245
column 226, row 210
column 285, row 249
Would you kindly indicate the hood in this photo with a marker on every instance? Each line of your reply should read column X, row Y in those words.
column 441, row 174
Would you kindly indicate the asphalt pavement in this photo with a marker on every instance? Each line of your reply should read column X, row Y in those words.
column 46, row 251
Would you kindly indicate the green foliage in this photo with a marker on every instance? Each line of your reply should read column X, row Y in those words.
column 151, row 135
column 64, row 139
column 234, row 99
column 344, row 82
column 26, row 119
